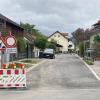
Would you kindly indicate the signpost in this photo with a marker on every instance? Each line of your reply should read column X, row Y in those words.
column 2, row 50
column 11, row 50
column 11, row 77
column 2, row 44
column 10, row 41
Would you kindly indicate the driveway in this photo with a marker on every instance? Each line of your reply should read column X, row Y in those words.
column 63, row 78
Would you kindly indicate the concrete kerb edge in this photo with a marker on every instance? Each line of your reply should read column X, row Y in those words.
column 36, row 65
column 94, row 73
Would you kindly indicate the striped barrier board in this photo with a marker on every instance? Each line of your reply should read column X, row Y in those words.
column 12, row 78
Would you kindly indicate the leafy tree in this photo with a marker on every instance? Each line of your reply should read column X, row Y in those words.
column 96, row 44
column 40, row 40
column 87, row 34
column 51, row 45
column 79, row 35
column 97, row 38
column 21, row 44
column 81, row 49
column 31, row 30
column 40, row 43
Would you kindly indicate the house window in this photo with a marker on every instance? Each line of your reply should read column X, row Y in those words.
column 54, row 35
column 58, row 35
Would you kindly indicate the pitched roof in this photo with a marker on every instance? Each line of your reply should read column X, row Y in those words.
column 63, row 34
column 97, row 23
column 9, row 21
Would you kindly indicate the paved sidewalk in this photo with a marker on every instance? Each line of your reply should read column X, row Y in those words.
column 96, row 67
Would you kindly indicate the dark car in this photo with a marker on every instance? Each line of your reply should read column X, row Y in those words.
column 47, row 53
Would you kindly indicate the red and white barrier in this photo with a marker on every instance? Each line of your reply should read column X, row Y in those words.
column 12, row 78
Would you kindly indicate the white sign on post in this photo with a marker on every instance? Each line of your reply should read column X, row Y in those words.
column 11, row 50
column 2, row 44
column 10, row 41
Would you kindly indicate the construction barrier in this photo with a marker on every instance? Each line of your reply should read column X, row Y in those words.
column 12, row 78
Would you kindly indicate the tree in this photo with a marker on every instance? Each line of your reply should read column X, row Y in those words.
column 96, row 44
column 32, row 30
column 87, row 34
column 81, row 49
column 21, row 44
column 97, row 38
column 40, row 42
column 29, row 28
column 78, row 35
column 51, row 45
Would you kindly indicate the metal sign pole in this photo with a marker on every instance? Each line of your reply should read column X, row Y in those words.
column 0, row 60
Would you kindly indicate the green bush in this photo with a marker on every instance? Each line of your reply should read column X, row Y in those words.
column 29, row 61
column 21, row 44
column 81, row 49
column 40, row 43
column 89, row 62
column 51, row 45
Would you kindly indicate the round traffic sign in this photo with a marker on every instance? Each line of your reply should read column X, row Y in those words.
column 10, row 41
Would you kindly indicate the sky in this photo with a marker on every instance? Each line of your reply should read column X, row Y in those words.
column 53, row 15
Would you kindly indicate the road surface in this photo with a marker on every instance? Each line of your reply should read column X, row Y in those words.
column 63, row 78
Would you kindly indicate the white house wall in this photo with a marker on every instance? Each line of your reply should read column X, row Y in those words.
column 72, row 44
column 60, row 40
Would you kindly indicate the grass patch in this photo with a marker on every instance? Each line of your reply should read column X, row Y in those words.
column 89, row 62
column 30, row 61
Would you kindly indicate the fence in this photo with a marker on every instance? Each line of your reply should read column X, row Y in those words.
column 21, row 56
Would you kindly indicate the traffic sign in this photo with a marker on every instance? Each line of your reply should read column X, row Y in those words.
column 2, row 44
column 11, row 50
column 10, row 41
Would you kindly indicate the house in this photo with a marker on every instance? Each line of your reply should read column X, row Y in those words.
column 71, row 46
column 8, row 26
column 91, row 48
column 61, row 40
column 94, row 32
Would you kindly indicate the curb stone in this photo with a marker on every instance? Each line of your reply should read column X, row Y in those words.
column 91, row 69
column 36, row 65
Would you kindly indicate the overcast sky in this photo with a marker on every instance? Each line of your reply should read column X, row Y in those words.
column 52, row 15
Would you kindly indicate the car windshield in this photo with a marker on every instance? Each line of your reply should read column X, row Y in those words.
column 48, row 51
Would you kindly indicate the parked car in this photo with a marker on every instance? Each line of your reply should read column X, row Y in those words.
column 47, row 53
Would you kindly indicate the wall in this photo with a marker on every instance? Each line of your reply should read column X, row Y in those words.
column 60, row 40
column 72, row 44
column 16, row 31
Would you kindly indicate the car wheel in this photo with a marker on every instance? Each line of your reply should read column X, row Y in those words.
column 53, row 57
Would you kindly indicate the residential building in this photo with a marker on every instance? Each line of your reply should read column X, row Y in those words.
column 8, row 26
column 61, row 39
column 94, row 32
column 71, row 45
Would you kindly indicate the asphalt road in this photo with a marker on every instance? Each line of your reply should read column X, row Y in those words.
column 64, row 78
